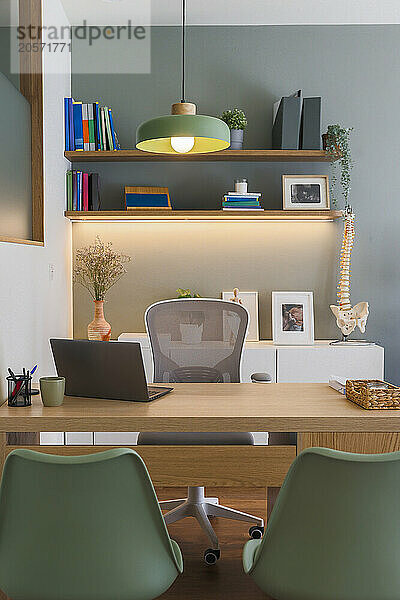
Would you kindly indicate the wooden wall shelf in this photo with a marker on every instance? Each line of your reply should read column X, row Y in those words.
column 223, row 155
column 204, row 215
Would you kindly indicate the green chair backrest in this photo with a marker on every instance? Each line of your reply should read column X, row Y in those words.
column 82, row 528
column 334, row 533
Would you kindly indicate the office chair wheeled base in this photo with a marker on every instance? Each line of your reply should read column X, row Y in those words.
column 203, row 509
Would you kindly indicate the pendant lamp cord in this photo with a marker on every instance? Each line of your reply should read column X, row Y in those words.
column 183, row 47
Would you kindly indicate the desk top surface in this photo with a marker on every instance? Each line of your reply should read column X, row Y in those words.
column 209, row 407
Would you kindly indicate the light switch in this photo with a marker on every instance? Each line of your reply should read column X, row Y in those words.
column 52, row 270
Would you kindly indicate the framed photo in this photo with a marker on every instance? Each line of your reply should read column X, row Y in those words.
column 250, row 301
column 305, row 192
column 293, row 318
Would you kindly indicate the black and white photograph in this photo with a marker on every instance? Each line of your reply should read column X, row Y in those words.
column 305, row 192
column 293, row 318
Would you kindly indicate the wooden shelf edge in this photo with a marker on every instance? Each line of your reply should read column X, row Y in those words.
column 223, row 155
column 203, row 215
column 20, row 241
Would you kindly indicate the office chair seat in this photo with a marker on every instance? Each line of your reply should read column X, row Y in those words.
column 190, row 374
column 83, row 528
column 334, row 532
column 199, row 341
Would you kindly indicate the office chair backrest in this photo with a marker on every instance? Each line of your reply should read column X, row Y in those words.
column 334, row 532
column 197, row 340
column 82, row 528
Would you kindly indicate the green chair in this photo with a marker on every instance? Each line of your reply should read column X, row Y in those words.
column 83, row 528
column 334, row 533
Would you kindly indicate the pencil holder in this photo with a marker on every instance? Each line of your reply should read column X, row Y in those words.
column 19, row 390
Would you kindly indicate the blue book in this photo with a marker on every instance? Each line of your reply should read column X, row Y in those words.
column 81, row 191
column 112, row 129
column 242, row 199
column 227, row 205
column 147, row 201
column 78, row 190
column 74, row 190
column 66, row 124
column 98, row 126
column 78, row 125
column 71, row 124
column 147, row 197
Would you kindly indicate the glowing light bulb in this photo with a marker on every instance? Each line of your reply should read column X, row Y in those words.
column 182, row 144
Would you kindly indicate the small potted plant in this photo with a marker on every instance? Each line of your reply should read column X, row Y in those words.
column 192, row 323
column 97, row 268
column 237, row 123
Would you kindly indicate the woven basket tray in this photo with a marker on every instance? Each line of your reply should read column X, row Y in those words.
column 359, row 392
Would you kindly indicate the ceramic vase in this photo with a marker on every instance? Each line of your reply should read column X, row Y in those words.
column 236, row 139
column 99, row 329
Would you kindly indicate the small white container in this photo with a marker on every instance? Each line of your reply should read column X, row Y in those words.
column 241, row 186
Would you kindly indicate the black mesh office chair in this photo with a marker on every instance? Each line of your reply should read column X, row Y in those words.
column 199, row 341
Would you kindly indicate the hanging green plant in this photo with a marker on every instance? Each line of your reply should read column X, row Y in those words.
column 337, row 147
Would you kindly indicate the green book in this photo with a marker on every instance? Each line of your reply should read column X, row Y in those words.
column 69, row 190
column 108, row 127
column 237, row 204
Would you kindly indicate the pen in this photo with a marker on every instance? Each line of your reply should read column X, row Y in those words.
column 18, row 384
column 12, row 375
column 33, row 370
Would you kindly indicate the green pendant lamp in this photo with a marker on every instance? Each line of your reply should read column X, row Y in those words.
column 183, row 132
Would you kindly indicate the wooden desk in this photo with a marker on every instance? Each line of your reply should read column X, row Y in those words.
column 320, row 416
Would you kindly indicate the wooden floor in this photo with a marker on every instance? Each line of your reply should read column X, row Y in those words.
column 225, row 580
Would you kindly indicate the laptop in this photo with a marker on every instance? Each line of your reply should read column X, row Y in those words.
column 112, row 370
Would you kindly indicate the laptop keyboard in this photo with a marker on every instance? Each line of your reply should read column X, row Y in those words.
column 153, row 392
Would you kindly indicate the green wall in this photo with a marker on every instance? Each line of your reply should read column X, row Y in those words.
column 356, row 69
column 15, row 150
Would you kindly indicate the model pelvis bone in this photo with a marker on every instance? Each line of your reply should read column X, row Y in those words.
column 347, row 319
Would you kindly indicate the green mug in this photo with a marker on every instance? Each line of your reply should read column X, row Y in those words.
column 52, row 390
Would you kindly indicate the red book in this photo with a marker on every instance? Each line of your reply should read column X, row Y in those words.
column 85, row 124
column 85, row 191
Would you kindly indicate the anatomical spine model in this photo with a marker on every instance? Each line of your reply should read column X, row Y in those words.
column 348, row 317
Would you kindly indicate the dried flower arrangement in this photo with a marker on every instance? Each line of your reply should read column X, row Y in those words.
column 98, row 268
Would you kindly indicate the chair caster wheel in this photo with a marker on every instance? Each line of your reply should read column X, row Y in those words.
column 256, row 532
column 211, row 556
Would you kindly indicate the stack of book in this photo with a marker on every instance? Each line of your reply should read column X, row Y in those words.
column 89, row 127
column 83, row 191
column 240, row 201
